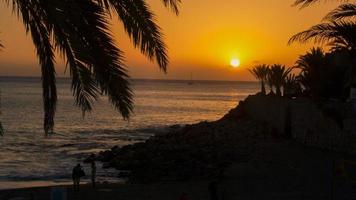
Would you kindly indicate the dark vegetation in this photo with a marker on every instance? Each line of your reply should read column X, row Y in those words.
column 319, row 75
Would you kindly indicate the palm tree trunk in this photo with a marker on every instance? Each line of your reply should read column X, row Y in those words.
column 263, row 88
column 278, row 91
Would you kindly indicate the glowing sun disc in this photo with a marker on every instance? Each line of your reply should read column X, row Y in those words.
column 235, row 62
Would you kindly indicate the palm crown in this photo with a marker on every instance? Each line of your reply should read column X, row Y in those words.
column 79, row 31
column 311, row 65
column 260, row 72
column 277, row 75
column 338, row 31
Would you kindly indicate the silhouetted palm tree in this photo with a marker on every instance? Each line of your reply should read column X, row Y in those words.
column 79, row 30
column 260, row 72
column 311, row 65
column 314, row 57
column 277, row 75
column 291, row 86
column 269, row 81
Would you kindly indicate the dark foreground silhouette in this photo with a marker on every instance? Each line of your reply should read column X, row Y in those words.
column 279, row 169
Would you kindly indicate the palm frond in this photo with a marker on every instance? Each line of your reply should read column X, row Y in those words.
column 139, row 23
column 32, row 15
column 173, row 4
column 314, row 57
column 290, row 79
column 343, row 11
column 305, row 3
column 70, row 40
column 259, row 71
column 95, row 61
column 338, row 34
column 320, row 33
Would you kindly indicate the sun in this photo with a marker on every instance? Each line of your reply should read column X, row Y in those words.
column 235, row 63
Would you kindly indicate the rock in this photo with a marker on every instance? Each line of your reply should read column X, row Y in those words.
column 201, row 150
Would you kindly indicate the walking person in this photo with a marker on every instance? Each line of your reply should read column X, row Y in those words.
column 77, row 173
column 93, row 173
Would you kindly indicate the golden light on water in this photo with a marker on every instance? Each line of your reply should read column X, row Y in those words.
column 235, row 62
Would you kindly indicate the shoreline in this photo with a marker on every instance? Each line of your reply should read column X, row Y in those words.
column 111, row 191
column 19, row 185
column 13, row 185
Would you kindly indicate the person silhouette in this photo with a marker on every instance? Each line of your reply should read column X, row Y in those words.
column 93, row 173
column 77, row 173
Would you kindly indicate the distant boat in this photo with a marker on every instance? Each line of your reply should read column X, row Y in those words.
column 191, row 82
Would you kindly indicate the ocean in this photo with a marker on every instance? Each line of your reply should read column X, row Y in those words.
column 27, row 156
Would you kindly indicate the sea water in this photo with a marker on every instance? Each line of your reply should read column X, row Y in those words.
column 28, row 157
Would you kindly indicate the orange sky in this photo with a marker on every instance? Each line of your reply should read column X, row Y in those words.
column 201, row 40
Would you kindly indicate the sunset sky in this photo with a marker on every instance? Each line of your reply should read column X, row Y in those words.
column 202, row 40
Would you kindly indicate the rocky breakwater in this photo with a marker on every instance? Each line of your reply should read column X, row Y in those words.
column 203, row 150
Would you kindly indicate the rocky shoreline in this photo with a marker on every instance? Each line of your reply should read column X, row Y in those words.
column 204, row 150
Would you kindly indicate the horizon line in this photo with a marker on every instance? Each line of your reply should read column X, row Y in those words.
column 144, row 79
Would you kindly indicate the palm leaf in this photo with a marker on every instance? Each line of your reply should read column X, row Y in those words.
column 338, row 34
column 96, row 63
column 173, row 4
column 140, row 25
column 32, row 14
column 343, row 11
column 305, row 3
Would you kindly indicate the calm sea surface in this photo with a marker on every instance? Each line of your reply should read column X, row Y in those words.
column 27, row 155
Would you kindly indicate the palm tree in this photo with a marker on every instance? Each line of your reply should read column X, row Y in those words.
column 79, row 31
column 277, row 76
column 260, row 72
column 291, row 86
column 314, row 57
column 311, row 65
